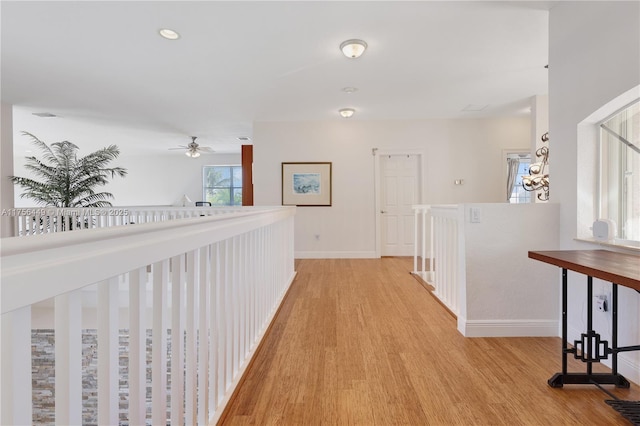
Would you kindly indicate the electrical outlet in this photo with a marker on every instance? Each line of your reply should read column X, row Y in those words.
column 602, row 303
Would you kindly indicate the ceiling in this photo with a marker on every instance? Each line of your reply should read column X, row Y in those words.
column 104, row 64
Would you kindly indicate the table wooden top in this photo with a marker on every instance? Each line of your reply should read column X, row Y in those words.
column 619, row 268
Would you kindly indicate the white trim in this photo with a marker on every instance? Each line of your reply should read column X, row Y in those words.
column 336, row 255
column 508, row 328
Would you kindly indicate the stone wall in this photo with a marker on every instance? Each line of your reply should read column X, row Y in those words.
column 43, row 376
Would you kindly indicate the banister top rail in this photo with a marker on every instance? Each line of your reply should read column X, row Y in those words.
column 35, row 269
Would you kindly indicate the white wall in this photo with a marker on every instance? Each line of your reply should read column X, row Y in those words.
column 594, row 57
column 508, row 294
column 454, row 149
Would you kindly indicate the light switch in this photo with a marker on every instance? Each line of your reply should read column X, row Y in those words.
column 476, row 215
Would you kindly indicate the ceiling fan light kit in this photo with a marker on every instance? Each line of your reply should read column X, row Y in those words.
column 194, row 149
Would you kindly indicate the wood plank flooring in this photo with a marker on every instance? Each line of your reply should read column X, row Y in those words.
column 361, row 342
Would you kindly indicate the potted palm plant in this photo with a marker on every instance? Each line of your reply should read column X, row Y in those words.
column 66, row 180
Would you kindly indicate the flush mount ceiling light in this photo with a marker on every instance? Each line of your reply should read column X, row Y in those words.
column 353, row 48
column 169, row 34
column 347, row 112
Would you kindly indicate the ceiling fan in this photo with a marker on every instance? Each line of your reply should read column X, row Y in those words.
column 194, row 149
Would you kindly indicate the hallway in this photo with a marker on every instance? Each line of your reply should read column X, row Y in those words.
column 360, row 341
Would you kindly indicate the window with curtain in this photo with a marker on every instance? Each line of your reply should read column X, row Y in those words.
column 222, row 185
column 517, row 166
column 619, row 194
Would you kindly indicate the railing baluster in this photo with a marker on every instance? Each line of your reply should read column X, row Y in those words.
column 191, row 401
column 160, row 272
column 228, row 313
column 108, row 352
column 16, row 367
column 68, row 358
column 213, row 326
column 137, row 347
column 203, row 337
column 177, row 339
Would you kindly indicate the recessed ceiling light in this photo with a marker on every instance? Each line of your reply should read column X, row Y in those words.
column 347, row 112
column 169, row 34
column 349, row 89
column 44, row 114
column 353, row 48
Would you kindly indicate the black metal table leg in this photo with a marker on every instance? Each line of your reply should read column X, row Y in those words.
column 614, row 328
column 586, row 345
column 556, row 381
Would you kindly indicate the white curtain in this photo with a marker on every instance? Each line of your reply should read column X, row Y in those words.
column 512, row 167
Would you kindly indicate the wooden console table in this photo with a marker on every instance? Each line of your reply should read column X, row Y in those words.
column 619, row 269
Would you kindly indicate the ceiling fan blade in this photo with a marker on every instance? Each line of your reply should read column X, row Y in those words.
column 206, row 149
column 181, row 148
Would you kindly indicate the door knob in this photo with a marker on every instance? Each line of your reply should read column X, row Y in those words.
column 383, row 211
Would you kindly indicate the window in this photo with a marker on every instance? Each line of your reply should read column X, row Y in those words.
column 518, row 194
column 222, row 185
column 620, row 171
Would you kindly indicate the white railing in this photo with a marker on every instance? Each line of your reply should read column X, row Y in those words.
column 214, row 281
column 422, row 236
column 446, row 253
column 45, row 220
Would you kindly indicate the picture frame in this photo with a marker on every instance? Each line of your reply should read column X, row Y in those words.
column 306, row 184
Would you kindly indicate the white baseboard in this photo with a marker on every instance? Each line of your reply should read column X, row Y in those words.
column 508, row 328
column 335, row 255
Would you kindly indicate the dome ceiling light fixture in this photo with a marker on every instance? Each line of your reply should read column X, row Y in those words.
column 169, row 34
column 353, row 48
column 347, row 112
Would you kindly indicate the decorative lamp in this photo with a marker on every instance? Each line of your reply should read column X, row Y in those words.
column 538, row 178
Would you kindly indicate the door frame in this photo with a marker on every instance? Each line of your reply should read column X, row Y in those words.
column 377, row 154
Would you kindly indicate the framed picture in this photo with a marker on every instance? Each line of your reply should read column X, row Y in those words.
column 306, row 184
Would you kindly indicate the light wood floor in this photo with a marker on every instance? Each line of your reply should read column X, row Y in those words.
column 361, row 342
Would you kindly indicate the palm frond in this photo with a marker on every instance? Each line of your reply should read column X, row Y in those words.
column 65, row 179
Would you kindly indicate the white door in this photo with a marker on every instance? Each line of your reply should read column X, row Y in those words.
column 399, row 189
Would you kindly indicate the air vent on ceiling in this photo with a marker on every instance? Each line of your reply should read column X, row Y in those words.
column 474, row 108
column 44, row 114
